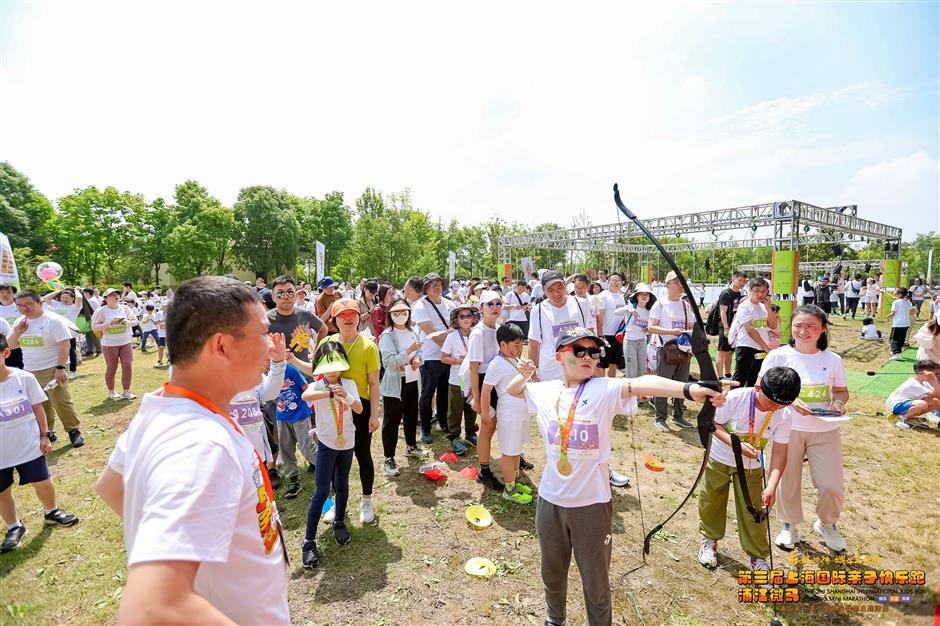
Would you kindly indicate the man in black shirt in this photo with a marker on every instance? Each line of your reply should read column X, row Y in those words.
column 823, row 290
column 727, row 306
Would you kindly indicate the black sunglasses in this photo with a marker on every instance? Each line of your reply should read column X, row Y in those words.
column 580, row 351
column 465, row 317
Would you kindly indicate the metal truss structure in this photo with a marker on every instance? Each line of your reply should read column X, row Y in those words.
column 792, row 223
column 815, row 267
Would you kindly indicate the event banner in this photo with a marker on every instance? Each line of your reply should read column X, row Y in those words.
column 786, row 315
column 451, row 265
column 891, row 273
column 321, row 261
column 8, row 273
column 528, row 267
column 785, row 272
column 504, row 270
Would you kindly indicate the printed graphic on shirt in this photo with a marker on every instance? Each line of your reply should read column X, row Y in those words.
column 15, row 409
column 266, row 510
column 815, row 393
column 558, row 329
column 300, row 338
column 584, row 442
column 31, row 341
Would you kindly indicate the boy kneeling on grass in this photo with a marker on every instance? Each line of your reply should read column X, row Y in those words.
column 512, row 414
column 917, row 395
column 575, row 417
column 755, row 415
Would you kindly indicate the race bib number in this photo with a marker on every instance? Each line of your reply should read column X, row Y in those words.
column 584, row 442
column 558, row 329
column 117, row 330
column 759, row 323
column 246, row 413
column 815, row 394
column 15, row 409
column 32, row 341
column 640, row 323
column 678, row 324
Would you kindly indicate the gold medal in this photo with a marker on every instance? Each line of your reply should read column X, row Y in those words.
column 340, row 442
column 564, row 467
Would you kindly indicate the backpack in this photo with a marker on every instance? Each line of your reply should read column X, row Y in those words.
column 713, row 321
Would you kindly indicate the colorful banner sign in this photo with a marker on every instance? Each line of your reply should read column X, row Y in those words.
column 786, row 316
column 8, row 273
column 784, row 272
column 321, row 261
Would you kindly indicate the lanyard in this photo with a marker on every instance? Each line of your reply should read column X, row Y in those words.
column 337, row 413
column 513, row 364
column 564, row 429
column 204, row 402
column 750, row 420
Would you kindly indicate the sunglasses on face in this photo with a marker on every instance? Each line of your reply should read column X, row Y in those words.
column 580, row 352
column 494, row 303
column 284, row 294
column 465, row 317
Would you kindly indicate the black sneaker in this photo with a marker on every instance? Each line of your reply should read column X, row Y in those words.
column 681, row 422
column 13, row 538
column 274, row 477
column 523, row 464
column 488, row 479
column 341, row 533
column 309, row 555
column 426, row 438
column 76, row 439
column 311, row 468
column 292, row 489
column 60, row 517
column 53, row 437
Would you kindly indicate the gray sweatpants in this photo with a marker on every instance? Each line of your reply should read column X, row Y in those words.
column 673, row 372
column 291, row 435
column 586, row 530
column 634, row 353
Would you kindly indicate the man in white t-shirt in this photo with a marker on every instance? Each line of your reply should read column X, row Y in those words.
column 45, row 339
column 208, row 549
column 518, row 307
column 431, row 314
column 608, row 301
column 549, row 319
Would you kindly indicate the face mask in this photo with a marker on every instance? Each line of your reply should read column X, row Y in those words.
column 401, row 317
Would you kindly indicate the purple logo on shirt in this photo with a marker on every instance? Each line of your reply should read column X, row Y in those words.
column 14, row 410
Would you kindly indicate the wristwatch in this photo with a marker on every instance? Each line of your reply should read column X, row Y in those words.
column 60, row 367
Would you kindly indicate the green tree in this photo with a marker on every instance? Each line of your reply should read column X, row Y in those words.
column 24, row 212
column 217, row 226
column 266, row 229
column 191, row 199
column 151, row 226
column 329, row 221
column 189, row 252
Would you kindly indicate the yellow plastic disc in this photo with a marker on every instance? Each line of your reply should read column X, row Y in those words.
column 478, row 567
column 479, row 517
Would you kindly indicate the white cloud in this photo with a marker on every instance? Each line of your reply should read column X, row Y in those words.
column 903, row 191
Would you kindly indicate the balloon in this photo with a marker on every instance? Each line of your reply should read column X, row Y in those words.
column 49, row 270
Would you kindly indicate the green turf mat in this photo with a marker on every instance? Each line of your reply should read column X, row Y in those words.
column 887, row 379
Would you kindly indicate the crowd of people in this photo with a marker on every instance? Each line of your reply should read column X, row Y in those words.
column 320, row 368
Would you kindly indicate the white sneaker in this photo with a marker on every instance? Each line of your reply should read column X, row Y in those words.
column 390, row 467
column 73, row 375
column 617, row 479
column 366, row 512
column 415, row 452
column 707, row 553
column 788, row 537
column 112, row 395
column 330, row 515
column 127, row 395
column 830, row 535
column 903, row 425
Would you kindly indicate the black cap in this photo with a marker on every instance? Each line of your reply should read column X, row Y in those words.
column 572, row 335
column 551, row 276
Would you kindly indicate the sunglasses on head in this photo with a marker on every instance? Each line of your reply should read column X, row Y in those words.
column 579, row 352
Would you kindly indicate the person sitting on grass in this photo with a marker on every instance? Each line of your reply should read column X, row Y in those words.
column 869, row 331
column 334, row 400
column 512, row 426
column 917, row 395
column 24, row 444
column 753, row 412
column 575, row 417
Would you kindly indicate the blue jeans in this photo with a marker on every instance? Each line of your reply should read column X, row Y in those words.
column 143, row 339
column 332, row 468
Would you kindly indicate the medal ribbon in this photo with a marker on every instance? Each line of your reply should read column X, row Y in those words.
column 564, row 429
column 750, row 421
column 204, row 402
column 337, row 415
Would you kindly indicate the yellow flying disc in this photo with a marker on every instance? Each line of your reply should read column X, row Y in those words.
column 478, row 567
column 479, row 517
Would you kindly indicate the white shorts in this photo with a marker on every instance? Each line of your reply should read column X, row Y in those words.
column 512, row 436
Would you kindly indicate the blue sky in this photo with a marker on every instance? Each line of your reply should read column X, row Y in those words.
column 528, row 111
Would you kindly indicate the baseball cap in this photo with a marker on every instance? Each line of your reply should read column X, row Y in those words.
column 670, row 276
column 343, row 305
column 577, row 333
column 327, row 282
column 551, row 277
column 489, row 296
column 431, row 277
column 109, row 291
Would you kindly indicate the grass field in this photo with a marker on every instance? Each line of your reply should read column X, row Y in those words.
column 408, row 569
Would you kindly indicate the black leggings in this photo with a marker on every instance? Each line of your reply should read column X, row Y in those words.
column 363, row 448
column 395, row 411
column 73, row 357
column 851, row 304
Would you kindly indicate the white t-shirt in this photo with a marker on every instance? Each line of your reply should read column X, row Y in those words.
column 870, row 332
column 756, row 314
column 326, row 421
column 405, row 338
column 40, row 341
column 546, row 324
column 853, row 288
column 873, row 291
column 537, row 291
column 482, row 346
column 736, row 414
column 521, row 299
column 590, row 313
column 455, row 346
column 68, row 311
column 146, row 321
column 159, row 318
column 9, row 312
column 245, row 407
column 902, row 313
column 589, row 443
column 917, row 292
column 423, row 311
column 639, row 319
column 130, row 296
column 509, row 408
column 819, row 373
column 19, row 431
column 94, row 302
column 211, row 517
column 5, row 328
column 674, row 314
column 608, row 303
column 117, row 335
column 910, row 389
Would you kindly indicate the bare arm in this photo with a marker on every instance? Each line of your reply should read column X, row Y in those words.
column 161, row 592
column 723, row 311
column 304, row 366
column 374, row 401
column 650, row 385
column 432, row 333
column 656, row 329
column 110, row 488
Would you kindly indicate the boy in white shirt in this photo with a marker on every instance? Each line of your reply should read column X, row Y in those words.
column 754, row 416
column 512, row 425
column 575, row 417
column 900, row 317
column 159, row 318
column 870, row 332
column 917, row 395
column 749, row 334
